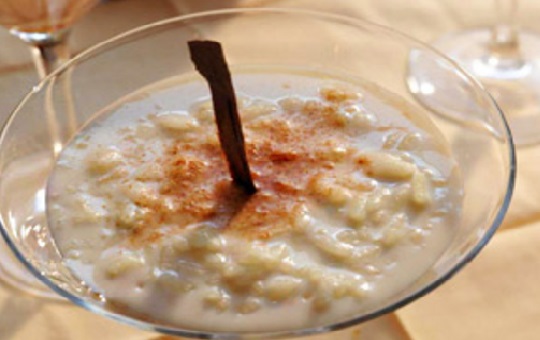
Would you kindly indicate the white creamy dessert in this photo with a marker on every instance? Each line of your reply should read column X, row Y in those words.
column 357, row 197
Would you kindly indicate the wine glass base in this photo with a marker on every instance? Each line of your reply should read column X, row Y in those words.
column 514, row 82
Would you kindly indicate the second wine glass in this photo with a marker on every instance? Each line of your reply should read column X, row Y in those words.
column 505, row 60
column 45, row 26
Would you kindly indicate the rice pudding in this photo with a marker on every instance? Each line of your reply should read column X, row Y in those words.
column 357, row 196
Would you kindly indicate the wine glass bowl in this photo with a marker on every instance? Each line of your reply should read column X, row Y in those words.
column 45, row 26
column 480, row 141
column 42, row 21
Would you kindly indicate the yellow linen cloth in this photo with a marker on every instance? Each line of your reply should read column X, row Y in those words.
column 495, row 297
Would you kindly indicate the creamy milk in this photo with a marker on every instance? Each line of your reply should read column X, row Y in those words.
column 357, row 197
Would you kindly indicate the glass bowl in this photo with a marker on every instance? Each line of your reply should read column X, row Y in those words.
column 66, row 100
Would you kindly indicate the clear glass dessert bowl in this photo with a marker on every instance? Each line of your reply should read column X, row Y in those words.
column 49, row 116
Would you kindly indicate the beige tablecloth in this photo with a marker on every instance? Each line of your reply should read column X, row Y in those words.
column 495, row 297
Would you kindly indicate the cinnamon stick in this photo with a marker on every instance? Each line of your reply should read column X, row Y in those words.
column 210, row 62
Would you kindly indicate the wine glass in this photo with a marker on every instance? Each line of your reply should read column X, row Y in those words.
column 158, row 52
column 45, row 26
column 507, row 63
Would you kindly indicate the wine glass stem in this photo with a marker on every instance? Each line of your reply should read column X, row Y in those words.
column 505, row 38
column 48, row 56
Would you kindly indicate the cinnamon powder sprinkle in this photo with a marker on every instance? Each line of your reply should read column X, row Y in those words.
column 285, row 151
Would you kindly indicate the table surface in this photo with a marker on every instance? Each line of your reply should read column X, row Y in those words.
column 495, row 297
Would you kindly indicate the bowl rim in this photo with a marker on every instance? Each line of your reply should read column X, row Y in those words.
column 354, row 320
